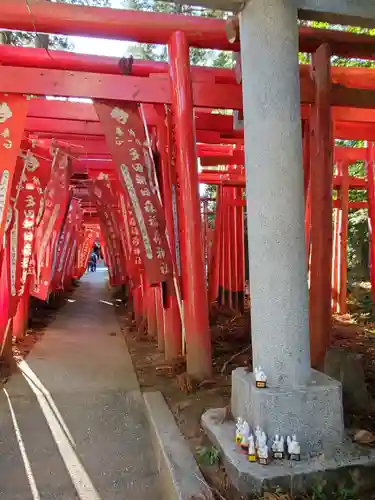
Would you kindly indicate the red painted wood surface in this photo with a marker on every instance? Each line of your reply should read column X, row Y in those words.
column 172, row 317
column 371, row 214
column 321, row 208
column 214, row 261
column 151, row 27
column 60, row 83
column 344, row 192
column 198, row 339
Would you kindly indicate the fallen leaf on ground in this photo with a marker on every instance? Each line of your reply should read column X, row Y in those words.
column 364, row 437
column 186, row 383
column 275, row 496
column 207, row 383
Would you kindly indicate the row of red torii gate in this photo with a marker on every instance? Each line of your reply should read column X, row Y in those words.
column 123, row 170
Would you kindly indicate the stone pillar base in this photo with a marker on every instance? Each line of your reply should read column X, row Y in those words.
column 347, row 464
column 313, row 412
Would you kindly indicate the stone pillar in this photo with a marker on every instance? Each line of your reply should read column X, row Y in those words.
column 274, row 191
column 297, row 400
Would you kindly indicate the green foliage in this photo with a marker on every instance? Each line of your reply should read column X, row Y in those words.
column 346, row 494
column 223, row 60
column 210, row 191
column 320, row 491
column 156, row 52
column 358, row 243
column 22, row 39
column 304, row 58
column 208, row 455
column 88, row 3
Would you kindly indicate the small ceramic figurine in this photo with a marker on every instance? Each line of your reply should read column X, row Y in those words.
column 263, row 437
column 278, row 447
column 258, row 433
column 263, row 450
column 239, row 430
column 260, row 378
column 294, row 449
column 245, row 433
column 252, row 452
column 275, row 444
column 282, row 446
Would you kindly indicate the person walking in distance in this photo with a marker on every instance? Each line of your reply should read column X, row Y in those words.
column 92, row 262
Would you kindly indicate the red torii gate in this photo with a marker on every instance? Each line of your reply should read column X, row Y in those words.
column 31, row 71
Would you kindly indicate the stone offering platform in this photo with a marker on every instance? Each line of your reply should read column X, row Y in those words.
column 313, row 412
column 345, row 466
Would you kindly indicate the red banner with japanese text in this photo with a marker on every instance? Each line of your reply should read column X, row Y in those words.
column 129, row 233
column 67, row 273
column 167, row 165
column 106, row 224
column 13, row 111
column 115, row 268
column 64, row 244
column 114, row 226
column 26, row 209
column 127, row 224
column 56, row 203
column 108, row 255
column 80, row 239
column 67, row 276
column 126, row 138
column 5, row 250
column 84, row 250
column 103, row 246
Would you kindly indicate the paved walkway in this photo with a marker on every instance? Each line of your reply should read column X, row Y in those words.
column 72, row 423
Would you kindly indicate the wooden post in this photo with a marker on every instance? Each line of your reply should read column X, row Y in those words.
column 222, row 250
column 321, row 207
column 214, row 263
column 229, row 246
column 336, row 259
column 344, row 238
column 160, row 318
column 195, row 317
column 371, row 215
column 225, row 248
column 172, row 334
column 152, row 324
column 21, row 317
column 240, row 243
column 307, row 184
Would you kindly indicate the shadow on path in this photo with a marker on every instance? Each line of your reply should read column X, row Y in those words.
column 72, row 420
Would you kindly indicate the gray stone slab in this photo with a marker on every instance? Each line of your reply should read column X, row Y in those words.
column 348, row 466
column 312, row 412
column 347, row 367
column 180, row 476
